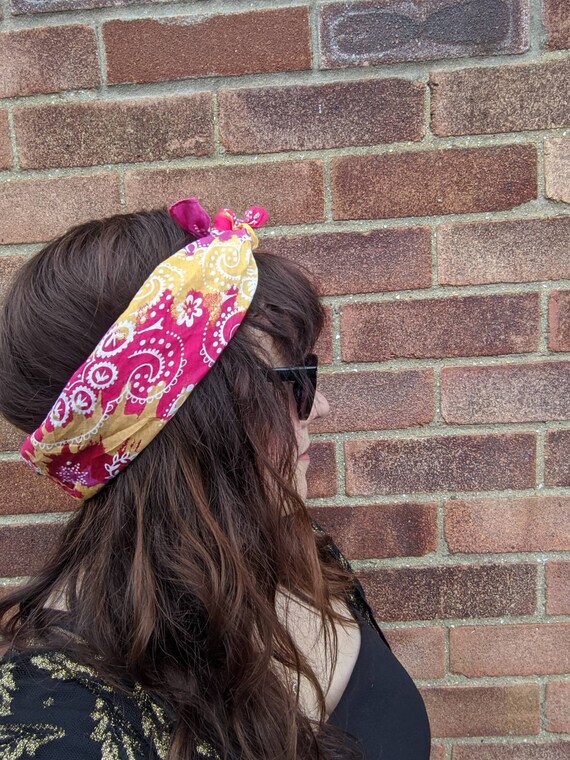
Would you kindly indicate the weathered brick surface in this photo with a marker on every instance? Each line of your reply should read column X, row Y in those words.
column 154, row 50
column 557, row 458
column 556, row 16
column 25, row 548
column 452, row 591
column 263, row 120
column 361, row 262
column 487, row 100
column 324, row 345
column 558, row 588
column 438, row 752
column 508, row 524
column 363, row 33
column 521, row 250
column 381, row 530
column 48, row 59
column 376, row 400
column 322, row 472
column 495, row 650
column 9, row 266
column 420, row 650
column 45, row 6
column 438, row 327
column 483, row 710
column 292, row 191
column 433, row 182
column 134, row 129
column 36, row 210
column 23, row 492
column 506, row 393
column 559, row 320
column 557, row 707
column 5, row 145
column 440, row 463
column 10, row 437
column 557, row 168
column 543, row 750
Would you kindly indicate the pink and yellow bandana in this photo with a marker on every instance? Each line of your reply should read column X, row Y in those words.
column 149, row 361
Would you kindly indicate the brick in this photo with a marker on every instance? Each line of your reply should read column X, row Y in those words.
column 25, row 548
column 488, row 100
column 5, row 144
column 433, row 182
column 557, row 458
column 557, row 169
column 324, row 345
column 156, row 50
column 135, row 129
column 48, row 59
column 546, row 750
column 291, row 191
column 508, row 524
column 10, row 437
column 495, row 650
column 520, row 250
column 24, row 492
column 477, row 325
column 322, row 472
column 270, row 119
column 382, row 530
column 451, row 591
column 364, row 33
column 556, row 17
column 440, row 463
column 376, row 400
column 420, row 650
column 483, row 710
column 559, row 320
column 438, row 752
column 530, row 392
column 398, row 258
column 558, row 588
column 9, row 265
column 558, row 707
column 36, row 210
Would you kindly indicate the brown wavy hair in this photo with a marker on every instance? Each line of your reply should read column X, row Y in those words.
column 170, row 572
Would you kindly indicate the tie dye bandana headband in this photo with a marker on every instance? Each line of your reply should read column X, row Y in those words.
column 151, row 358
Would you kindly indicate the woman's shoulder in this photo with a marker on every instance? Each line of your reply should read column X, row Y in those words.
column 55, row 708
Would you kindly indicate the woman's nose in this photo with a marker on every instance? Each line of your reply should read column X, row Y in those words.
column 320, row 406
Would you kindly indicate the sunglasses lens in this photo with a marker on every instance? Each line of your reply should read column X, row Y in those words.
column 304, row 393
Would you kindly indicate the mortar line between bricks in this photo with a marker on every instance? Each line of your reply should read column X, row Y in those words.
column 218, row 147
column 122, row 191
column 35, row 518
column 314, row 30
column 13, row 144
column 442, row 549
column 102, row 59
column 540, row 458
column 431, row 430
column 541, row 588
column 540, row 169
column 447, row 650
column 462, row 560
column 545, row 291
column 336, row 334
column 328, row 190
column 340, row 468
column 475, row 621
column 457, row 679
column 538, row 34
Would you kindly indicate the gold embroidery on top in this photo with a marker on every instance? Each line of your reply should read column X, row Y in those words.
column 7, row 687
column 48, row 702
column 18, row 740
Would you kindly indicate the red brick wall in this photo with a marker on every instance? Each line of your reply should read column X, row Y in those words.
column 414, row 155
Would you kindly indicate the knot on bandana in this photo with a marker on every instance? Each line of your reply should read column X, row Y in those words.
column 193, row 218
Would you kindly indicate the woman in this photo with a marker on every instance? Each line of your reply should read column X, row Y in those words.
column 192, row 609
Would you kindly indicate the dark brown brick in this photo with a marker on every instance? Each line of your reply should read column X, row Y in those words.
column 557, row 712
column 322, row 472
column 5, row 145
column 438, row 327
column 487, row 100
column 508, row 524
column 557, row 458
column 25, row 548
column 557, row 169
column 558, row 588
column 440, row 463
column 483, row 710
column 529, row 392
column 48, row 59
column 520, row 250
column 291, row 191
column 421, row 651
column 452, row 591
column 113, row 131
column 45, row 6
column 556, row 16
column 364, row 33
column 155, row 50
column 433, row 182
column 545, row 750
column 382, row 530
column 36, row 210
column 265, row 120
column 376, row 400
column 495, row 650
column 559, row 320
column 9, row 266
column 23, row 492
column 361, row 262
column 10, row 437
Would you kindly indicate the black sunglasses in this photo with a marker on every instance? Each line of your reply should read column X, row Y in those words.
column 304, row 381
